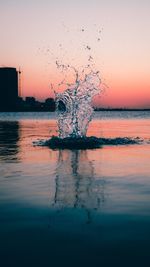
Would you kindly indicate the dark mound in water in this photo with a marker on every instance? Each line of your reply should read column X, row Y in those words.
column 87, row 142
column 73, row 143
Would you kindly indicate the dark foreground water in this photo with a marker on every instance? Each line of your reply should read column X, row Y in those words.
column 69, row 207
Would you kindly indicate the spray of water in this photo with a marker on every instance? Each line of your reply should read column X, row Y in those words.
column 74, row 107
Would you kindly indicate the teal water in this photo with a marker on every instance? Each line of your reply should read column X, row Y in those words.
column 69, row 207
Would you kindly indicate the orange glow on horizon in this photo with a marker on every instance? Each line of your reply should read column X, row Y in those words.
column 118, row 94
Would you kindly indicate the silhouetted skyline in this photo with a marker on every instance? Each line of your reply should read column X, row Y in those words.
column 9, row 94
column 10, row 99
column 8, row 88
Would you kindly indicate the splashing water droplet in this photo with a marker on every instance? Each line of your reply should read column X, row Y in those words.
column 74, row 107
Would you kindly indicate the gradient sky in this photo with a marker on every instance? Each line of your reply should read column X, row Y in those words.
column 34, row 33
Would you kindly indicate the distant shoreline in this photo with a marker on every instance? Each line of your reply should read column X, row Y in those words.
column 96, row 110
column 122, row 109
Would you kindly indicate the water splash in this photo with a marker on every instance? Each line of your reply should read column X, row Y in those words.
column 73, row 106
column 75, row 111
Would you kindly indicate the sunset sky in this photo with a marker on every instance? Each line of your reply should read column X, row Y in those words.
column 36, row 33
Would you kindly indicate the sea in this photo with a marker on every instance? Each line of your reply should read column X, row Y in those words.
column 74, row 207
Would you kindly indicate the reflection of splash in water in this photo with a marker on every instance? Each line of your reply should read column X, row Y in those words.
column 76, row 186
column 74, row 104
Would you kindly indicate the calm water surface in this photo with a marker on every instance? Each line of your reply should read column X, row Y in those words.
column 69, row 207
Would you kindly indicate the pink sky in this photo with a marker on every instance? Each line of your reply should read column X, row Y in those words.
column 34, row 34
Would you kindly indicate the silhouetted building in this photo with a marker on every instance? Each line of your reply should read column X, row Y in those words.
column 49, row 104
column 31, row 104
column 30, row 100
column 8, row 89
column 11, row 100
